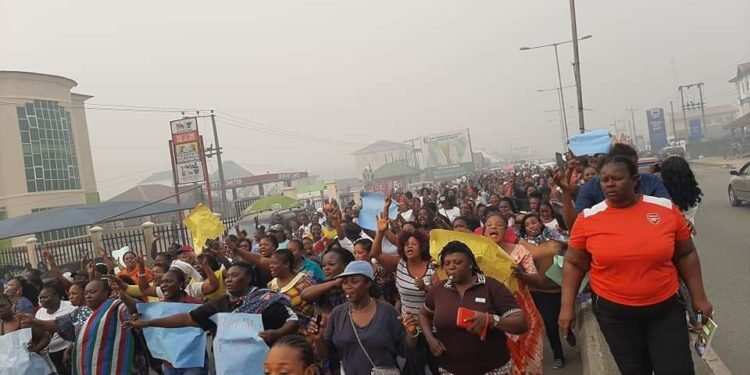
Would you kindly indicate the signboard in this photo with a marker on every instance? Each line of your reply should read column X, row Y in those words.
column 184, row 125
column 448, row 155
column 657, row 130
column 188, row 153
column 447, row 150
column 189, row 172
column 695, row 129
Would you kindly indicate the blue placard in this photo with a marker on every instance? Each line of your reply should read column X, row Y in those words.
column 372, row 207
column 181, row 347
column 593, row 142
column 238, row 349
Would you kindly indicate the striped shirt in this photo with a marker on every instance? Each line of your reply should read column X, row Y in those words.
column 412, row 298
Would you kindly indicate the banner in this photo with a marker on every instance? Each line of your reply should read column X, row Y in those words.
column 203, row 226
column 15, row 359
column 657, row 130
column 372, row 207
column 238, row 349
column 181, row 347
column 491, row 259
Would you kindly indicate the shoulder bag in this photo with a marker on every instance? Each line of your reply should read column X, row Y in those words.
column 375, row 369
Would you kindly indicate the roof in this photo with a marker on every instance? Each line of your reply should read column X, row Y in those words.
column 231, row 170
column 82, row 215
column 159, row 177
column 395, row 169
column 743, row 121
column 383, row 146
column 742, row 70
column 38, row 75
column 144, row 193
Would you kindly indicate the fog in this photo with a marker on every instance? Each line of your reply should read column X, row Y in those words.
column 300, row 85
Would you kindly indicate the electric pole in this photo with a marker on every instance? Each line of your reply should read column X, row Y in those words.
column 577, row 64
column 674, row 128
column 632, row 123
column 218, row 151
column 691, row 105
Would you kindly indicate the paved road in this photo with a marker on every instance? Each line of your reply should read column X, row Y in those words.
column 724, row 244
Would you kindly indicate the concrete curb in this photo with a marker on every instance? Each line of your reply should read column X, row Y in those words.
column 596, row 358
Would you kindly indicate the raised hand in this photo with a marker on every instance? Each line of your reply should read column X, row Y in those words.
column 382, row 222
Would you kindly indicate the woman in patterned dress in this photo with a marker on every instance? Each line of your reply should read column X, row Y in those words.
column 290, row 284
column 526, row 350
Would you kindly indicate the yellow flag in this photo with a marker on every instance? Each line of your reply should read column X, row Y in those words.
column 203, row 225
column 492, row 259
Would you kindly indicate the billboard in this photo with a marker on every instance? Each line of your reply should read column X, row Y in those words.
column 657, row 130
column 188, row 155
column 695, row 130
column 447, row 149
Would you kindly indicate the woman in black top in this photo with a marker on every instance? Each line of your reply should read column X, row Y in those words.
column 241, row 297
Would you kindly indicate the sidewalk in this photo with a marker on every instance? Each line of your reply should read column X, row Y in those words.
column 596, row 358
column 717, row 161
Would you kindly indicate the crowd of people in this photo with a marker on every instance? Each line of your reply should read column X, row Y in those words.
column 335, row 297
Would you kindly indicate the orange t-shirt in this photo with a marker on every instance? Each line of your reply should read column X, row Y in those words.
column 631, row 249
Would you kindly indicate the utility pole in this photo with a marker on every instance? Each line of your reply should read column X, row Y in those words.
column 562, row 100
column 223, row 192
column 684, row 112
column 577, row 64
column 632, row 124
column 674, row 128
column 693, row 106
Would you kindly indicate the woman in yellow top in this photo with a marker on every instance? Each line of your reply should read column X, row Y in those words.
column 285, row 281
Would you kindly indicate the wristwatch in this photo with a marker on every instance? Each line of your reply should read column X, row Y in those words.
column 495, row 320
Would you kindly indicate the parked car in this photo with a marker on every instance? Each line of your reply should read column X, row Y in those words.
column 739, row 186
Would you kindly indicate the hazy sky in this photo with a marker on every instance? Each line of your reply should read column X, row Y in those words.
column 356, row 71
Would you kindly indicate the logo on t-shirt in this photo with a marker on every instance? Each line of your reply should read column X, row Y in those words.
column 653, row 218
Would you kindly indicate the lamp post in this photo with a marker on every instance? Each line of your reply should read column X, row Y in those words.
column 563, row 119
column 559, row 77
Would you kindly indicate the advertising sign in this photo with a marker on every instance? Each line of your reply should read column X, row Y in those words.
column 189, row 172
column 657, row 130
column 447, row 150
column 184, row 125
column 188, row 158
column 448, row 155
column 695, row 129
column 187, row 152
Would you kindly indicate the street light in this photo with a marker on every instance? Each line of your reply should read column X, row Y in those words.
column 559, row 78
column 561, row 110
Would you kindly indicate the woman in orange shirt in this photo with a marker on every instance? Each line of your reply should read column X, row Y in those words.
column 634, row 247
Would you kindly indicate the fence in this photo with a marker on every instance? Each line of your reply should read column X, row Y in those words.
column 68, row 253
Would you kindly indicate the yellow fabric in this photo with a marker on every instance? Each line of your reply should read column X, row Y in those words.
column 492, row 260
column 135, row 291
column 329, row 233
column 203, row 226
column 222, row 289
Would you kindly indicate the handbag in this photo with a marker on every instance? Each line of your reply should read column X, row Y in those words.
column 375, row 369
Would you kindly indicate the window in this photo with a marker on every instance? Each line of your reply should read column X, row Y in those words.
column 49, row 153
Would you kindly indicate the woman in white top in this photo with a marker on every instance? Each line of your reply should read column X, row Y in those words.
column 53, row 307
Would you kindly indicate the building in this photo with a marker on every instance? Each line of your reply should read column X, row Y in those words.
column 45, row 154
column 382, row 152
column 740, row 128
column 742, row 81
column 716, row 118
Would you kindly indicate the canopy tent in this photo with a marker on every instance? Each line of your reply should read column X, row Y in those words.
column 82, row 215
column 272, row 203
